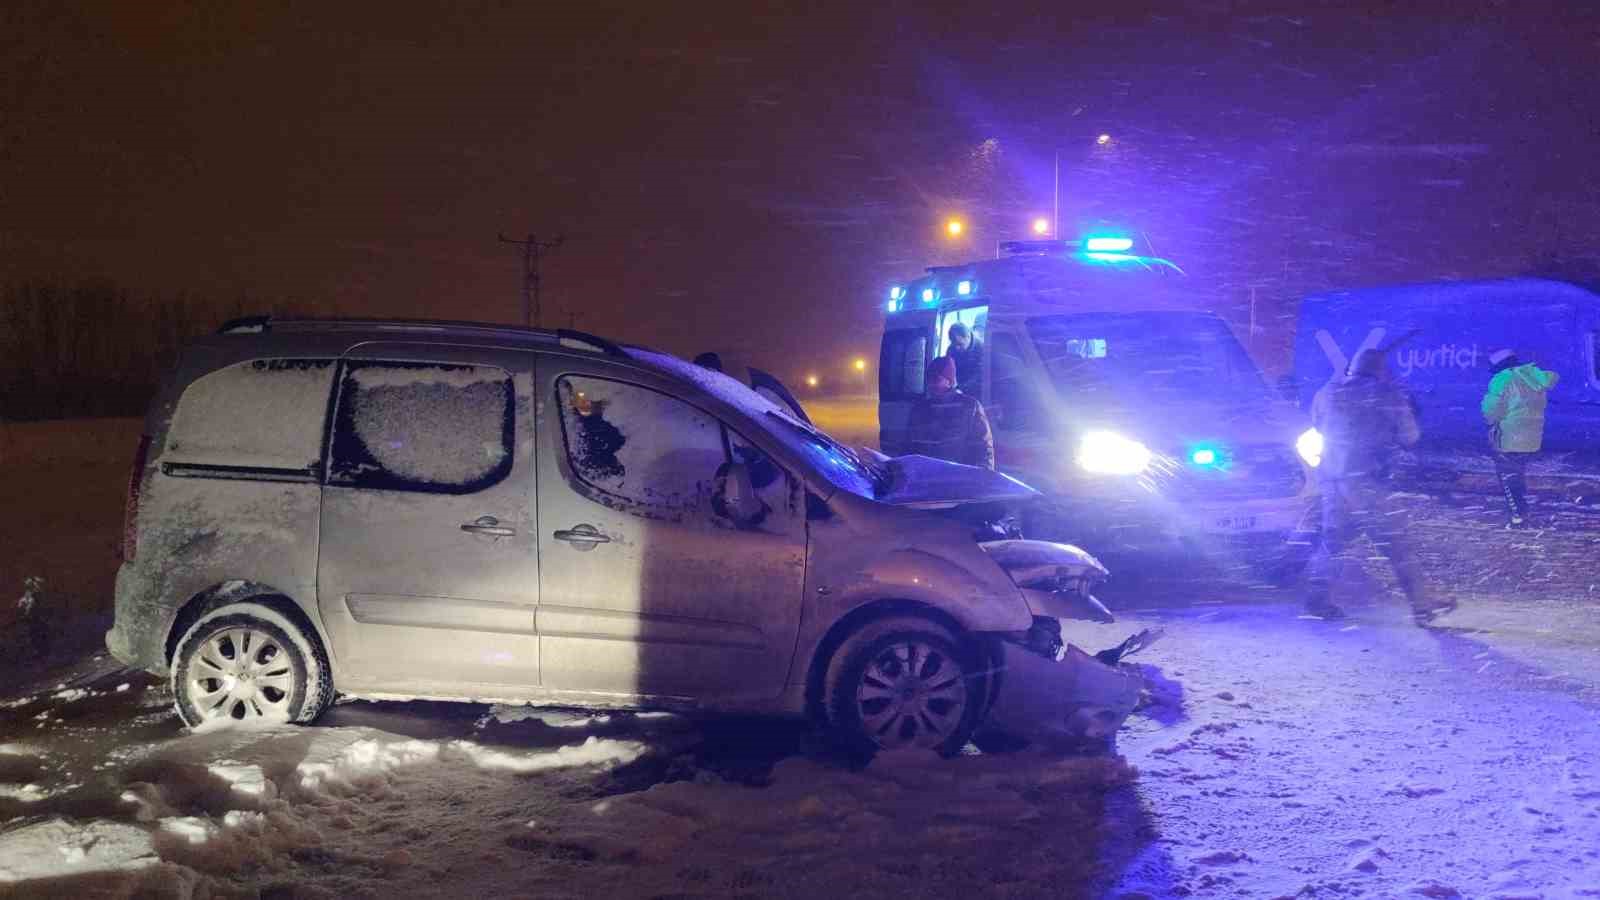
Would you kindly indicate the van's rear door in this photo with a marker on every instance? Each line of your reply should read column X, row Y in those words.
column 909, row 344
column 428, row 578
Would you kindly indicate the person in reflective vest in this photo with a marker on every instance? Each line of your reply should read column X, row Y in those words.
column 1514, row 409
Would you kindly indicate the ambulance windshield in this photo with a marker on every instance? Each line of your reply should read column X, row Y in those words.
column 1133, row 357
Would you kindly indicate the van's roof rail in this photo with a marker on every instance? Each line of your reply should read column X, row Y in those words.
column 563, row 336
column 583, row 337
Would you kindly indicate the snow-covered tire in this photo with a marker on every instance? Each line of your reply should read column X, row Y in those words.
column 904, row 682
column 247, row 661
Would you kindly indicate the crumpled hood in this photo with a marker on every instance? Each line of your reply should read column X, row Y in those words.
column 923, row 482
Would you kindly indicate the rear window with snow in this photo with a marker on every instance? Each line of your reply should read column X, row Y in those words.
column 423, row 427
column 265, row 413
column 639, row 445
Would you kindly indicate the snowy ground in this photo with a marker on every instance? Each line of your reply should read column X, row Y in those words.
column 1278, row 756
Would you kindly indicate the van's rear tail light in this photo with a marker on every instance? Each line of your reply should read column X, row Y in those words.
column 130, row 509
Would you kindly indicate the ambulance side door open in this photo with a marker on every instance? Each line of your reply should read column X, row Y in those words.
column 903, row 360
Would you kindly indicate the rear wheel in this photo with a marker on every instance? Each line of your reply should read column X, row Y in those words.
column 249, row 662
column 904, row 683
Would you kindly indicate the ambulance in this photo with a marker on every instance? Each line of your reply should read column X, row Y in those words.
column 1111, row 388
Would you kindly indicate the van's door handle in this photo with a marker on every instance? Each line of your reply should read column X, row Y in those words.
column 582, row 537
column 488, row 525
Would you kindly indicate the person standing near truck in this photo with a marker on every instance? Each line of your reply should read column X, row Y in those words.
column 1364, row 418
column 1514, row 408
column 948, row 424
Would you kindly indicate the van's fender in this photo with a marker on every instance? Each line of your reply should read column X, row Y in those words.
column 863, row 554
column 976, row 603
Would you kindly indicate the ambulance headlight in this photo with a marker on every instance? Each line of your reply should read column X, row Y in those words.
column 1109, row 453
column 1309, row 446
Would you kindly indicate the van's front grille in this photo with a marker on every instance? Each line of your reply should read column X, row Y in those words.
column 1255, row 471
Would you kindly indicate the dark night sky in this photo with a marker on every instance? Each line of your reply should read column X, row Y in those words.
column 751, row 177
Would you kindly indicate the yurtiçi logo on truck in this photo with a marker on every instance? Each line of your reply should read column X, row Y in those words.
column 1458, row 356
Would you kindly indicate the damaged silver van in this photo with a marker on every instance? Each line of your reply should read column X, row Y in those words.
column 398, row 510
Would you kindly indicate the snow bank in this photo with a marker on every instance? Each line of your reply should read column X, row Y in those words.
column 361, row 766
column 507, row 714
column 271, row 722
column 592, row 752
column 59, row 847
column 246, row 779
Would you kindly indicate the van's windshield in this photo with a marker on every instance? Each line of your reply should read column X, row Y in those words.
column 1144, row 356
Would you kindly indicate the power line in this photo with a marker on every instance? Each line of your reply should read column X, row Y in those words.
column 532, row 247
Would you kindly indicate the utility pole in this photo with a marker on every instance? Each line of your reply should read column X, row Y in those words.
column 531, row 248
column 1055, row 212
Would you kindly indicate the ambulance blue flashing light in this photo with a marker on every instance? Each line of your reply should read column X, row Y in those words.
column 896, row 293
column 1107, row 244
column 1203, row 456
column 964, row 288
column 927, row 295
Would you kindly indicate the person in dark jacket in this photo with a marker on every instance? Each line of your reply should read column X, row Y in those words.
column 1514, row 409
column 1364, row 417
column 966, row 351
column 948, row 424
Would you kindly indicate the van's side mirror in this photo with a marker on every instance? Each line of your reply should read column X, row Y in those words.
column 735, row 497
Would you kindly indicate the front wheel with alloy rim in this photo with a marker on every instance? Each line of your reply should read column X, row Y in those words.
column 248, row 662
column 904, row 683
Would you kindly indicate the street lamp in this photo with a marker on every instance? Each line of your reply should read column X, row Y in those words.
column 1041, row 226
column 860, row 364
column 954, row 227
column 811, row 381
column 1103, row 139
